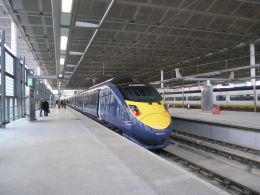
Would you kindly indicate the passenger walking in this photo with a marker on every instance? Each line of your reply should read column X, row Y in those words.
column 40, row 106
column 61, row 103
column 45, row 107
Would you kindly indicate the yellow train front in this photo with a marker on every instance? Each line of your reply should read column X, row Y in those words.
column 148, row 122
column 152, row 125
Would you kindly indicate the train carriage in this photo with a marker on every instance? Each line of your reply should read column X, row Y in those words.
column 132, row 106
column 238, row 98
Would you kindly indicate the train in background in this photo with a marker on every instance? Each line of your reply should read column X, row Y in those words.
column 237, row 98
column 134, row 107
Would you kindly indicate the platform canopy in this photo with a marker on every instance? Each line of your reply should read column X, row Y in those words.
column 138, row 37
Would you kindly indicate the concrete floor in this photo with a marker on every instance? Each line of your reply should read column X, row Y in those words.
column 233, row 118
column 69, row 154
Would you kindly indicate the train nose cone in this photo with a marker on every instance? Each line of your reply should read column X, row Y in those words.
column 157, row 121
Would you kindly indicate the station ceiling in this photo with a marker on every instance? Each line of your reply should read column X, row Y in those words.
column 141, row 37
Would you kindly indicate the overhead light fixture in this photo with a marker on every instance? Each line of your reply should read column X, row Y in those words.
column 62, row 60
column 60, row 76
column 67, row 72
column 75, row 53
column 86, row 24
column 71, row 65
column 66, row 6
column 63, row 42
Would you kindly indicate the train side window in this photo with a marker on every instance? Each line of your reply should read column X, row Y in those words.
column 244, row 97
column 169, row 99
column 180, row 99
column 221, row 97
column 194, row 98
column 258, row 97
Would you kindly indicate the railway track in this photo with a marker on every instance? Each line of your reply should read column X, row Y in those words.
column 224, row 181
column 243, row 154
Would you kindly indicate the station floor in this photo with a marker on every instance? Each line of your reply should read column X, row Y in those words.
column 68, row 153
column 232, row 118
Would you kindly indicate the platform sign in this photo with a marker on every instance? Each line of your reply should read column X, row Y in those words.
column 30, row 82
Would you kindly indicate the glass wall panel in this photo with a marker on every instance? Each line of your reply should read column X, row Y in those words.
column 9, row 86
column 9, row 63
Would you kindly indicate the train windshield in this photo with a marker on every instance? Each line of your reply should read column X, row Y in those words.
column 140, row 92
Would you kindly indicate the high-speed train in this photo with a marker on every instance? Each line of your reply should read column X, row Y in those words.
column 237, row 98
column 134, row 107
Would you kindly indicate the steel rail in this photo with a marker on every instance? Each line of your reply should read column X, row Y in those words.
column 221, row 142
column 243, row 157
column 227, row 182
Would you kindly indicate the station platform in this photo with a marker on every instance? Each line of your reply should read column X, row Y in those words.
column 68, row 153
column 231, row 126
column 229, row 118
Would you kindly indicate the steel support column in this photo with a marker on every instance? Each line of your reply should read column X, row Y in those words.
column 3, row 98
column 23, row 108
column 19, row 87
column 252, row 71
column 162, row 83
column 14, row 36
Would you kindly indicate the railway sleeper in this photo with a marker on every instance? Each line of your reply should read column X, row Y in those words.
column 218, row 152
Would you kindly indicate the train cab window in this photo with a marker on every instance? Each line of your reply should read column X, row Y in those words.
column 221, row 97
column 169, row 99
column 244, row 97
column 194, row 98
column 180, row 98
column 140, row 92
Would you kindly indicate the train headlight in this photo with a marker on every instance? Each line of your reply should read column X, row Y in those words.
column 135, row 110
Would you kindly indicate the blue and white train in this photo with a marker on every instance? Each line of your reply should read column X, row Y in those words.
column 134, row 107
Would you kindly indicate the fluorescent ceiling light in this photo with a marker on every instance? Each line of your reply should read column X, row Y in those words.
column 62, row 60
column 75, row 53
column 71, row 65
column 86, row 24
column 63, row 42
column 66, row 6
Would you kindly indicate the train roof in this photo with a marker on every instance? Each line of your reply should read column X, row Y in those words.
column 118, row 80
column 124, row 79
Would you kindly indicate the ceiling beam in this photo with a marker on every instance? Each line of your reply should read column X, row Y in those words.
column 185, row 28
column 188, row 10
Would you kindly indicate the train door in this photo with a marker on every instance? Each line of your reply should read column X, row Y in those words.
column 99, row 104
column 102, row 104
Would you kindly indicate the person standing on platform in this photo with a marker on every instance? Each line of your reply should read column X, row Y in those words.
column 57, row 103
column 64, row 103
column 61, row 103
column 40, row 106
column 45, row 107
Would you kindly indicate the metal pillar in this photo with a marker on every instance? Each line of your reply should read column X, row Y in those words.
column 252, row 71
column 18, row 86
column 2, row 105
column 14, row 36
column 162, row 87
column 31, row 114
column 207, row 97
column 161, row 79
column 23, row 108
